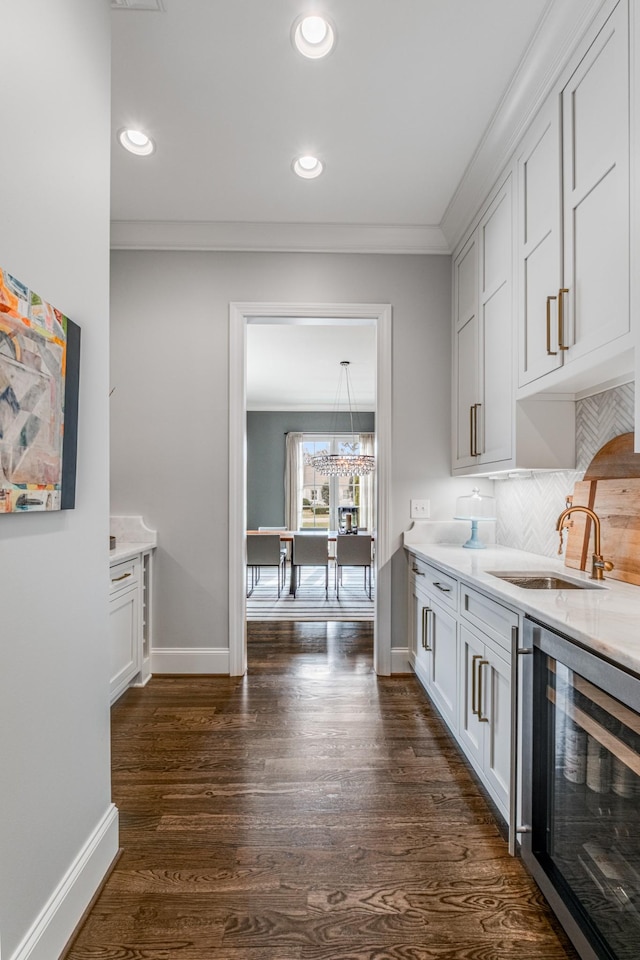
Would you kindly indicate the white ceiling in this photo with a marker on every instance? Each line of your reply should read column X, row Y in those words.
column 395, row 112
column 297, row 366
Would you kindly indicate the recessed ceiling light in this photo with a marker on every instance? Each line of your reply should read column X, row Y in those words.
column 135, row 141
column 314, row 36
column 308, row 167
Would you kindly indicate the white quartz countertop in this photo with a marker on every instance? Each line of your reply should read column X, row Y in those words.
column 605, row 619
column 124, row 550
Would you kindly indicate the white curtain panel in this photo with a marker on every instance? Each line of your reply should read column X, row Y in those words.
column 293, row 477
column 368, row 485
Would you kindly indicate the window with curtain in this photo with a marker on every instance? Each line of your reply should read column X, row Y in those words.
column 315, row 501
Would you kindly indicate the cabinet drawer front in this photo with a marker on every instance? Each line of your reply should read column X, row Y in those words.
column 434, row 582
column 124, row 575
column 489, row 616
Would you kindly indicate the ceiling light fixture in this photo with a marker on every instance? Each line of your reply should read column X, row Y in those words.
column 350, row 462
column 308, row 167
column 135, row 141
column 313, row 36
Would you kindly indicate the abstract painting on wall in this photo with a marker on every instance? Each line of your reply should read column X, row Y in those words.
column 39, row 375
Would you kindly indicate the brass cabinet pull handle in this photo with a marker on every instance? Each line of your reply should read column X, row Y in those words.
column 550, row 352
column 476, row 407
column 440, row 587
column 474, row 708
column 473, row 429
column 561, row 345
column 425, row 628
column 471, row 445
column 431, row 616
column 481, row 664
column 123, row 577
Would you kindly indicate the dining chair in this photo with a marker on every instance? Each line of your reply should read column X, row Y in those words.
column 353, row 550
column 265, row 550
column 310, row 550
column 283, row 546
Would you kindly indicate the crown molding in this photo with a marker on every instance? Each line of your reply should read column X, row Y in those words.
column 561, row 27
column 276, row 237
column 259, row 406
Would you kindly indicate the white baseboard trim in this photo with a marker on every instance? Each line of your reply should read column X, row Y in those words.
column 60, row 916
column 190, row 660
column 400, row 660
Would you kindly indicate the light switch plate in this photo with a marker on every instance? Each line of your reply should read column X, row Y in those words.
column 420, row 509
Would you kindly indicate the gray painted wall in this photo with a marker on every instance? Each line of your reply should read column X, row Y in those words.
column 170, row 317
column 266, row 455
column 54, row 655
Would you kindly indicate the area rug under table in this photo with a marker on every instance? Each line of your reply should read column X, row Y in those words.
column 310, row 602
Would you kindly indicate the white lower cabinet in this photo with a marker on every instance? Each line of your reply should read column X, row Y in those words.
column 460, row 649
column 436, row 654
column 485, row 713
column 124, row 628
column 130, row 622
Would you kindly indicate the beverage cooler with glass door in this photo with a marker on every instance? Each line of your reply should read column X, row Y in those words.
column 581, row 791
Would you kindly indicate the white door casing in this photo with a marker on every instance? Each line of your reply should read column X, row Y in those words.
column 239, row 315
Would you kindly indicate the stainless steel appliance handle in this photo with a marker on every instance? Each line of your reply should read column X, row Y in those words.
column 516, row 652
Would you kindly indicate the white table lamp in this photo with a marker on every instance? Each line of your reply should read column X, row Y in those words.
column 475, row 508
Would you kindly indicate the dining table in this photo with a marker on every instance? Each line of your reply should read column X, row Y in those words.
column 286, row 536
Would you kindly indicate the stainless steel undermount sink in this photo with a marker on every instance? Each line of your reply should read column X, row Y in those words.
column 542, row 580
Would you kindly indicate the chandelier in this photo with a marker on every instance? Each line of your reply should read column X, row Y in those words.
column 351, row 462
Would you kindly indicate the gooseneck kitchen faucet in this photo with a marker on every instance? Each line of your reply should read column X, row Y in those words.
column 598, row 563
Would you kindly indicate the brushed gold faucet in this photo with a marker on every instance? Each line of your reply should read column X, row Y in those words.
column 598, row 563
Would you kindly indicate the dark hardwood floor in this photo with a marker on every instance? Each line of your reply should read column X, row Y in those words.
column 308, row 811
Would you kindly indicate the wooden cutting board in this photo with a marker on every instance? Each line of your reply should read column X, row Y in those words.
column 617, row 503
column 612, row 489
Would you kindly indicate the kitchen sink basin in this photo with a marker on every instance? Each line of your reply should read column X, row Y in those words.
column 533, row 580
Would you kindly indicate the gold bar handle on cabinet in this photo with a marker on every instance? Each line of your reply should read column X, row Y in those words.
column 561, row 345
column 471, row 443
column 430, row 621
column 425, row 628
column 474, row 708
column 476, row 407
column 123, row 577
column 427, row 642
column 481, row 664
column 550, row 352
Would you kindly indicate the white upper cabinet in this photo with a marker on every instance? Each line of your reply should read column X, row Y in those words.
column 494, row 417
column 595, row 109
column 573, row 220
column 465, row 352
column 540, row 245
column 482, row 364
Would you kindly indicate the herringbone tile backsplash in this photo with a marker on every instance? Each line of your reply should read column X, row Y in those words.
column 528, row 509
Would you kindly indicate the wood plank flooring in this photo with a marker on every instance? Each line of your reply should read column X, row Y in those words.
column 308, row 811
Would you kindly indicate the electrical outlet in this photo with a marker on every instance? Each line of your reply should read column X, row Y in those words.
column 420, row 509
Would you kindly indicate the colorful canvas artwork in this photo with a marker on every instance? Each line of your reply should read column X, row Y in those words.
column 39, row 370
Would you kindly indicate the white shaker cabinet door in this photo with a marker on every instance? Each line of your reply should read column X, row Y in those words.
column 539, row 246
column 470, row 731
column 495, row 416
column 441, row 632
column 466, row 383
column 124, row 629
column 595, row 106
column 485, row 713
column 495, row 677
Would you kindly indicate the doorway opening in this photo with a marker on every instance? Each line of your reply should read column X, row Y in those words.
column 242, row 315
